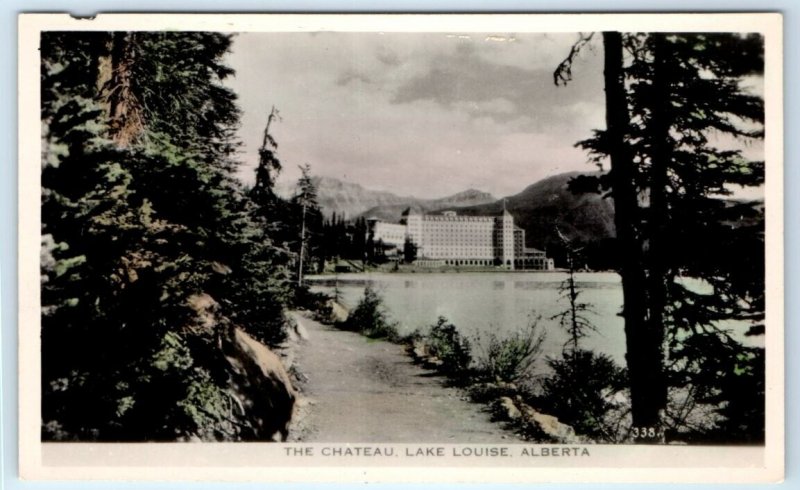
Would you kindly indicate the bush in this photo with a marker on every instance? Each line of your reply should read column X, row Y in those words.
column 305, row 298
column 510, row 359
column 580, row 392
column 370, row 318
column 717, row 391
column 452, row 348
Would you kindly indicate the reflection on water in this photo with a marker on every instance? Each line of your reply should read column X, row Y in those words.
column 488, row 301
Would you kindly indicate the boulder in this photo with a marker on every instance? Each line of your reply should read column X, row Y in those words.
column 338, row 312
column 507, row 409
column 420, row 350
column 261, row 386
column 258, row 385
column 549, row 425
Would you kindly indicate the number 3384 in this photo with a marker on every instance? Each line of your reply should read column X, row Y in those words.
column 645, row 432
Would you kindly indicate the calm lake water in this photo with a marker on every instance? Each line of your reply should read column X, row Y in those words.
column 499, row 302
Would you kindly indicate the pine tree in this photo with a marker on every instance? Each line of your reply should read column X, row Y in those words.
column 141, row 212
column 308, row 223
column 669, row 177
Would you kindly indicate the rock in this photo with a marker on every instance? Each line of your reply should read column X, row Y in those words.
column 549, row 426
column 300, row 329
column 508, row 409
column 507, row 387
column 204, row 307
column 420, row 350
column 295, row 328
column 339, row 313
column 261, row 386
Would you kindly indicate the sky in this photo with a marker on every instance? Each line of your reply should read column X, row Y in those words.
column 420, row 114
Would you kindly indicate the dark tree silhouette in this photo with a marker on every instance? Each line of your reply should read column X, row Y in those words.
column 666, row 95
column 141, row 212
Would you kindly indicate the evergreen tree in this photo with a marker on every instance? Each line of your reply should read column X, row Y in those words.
column 269, row 166
column 581, row 387
column 140, row 213
column 665, row 107
column 307, row 223
column 409, row 251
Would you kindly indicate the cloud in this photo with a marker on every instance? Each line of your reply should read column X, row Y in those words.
column 387, row 56
column 469, row 79
column 351, row 76
column 416, row 113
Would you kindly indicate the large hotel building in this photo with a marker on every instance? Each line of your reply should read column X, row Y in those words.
column 448, row 239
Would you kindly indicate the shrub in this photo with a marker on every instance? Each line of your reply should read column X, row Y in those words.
column 717, row 391
column 305, row 298
column 370, row 318
column 510, row 359
column 316, row 302
column 580, row 392
column 452, row 348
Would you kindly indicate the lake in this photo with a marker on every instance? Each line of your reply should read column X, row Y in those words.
column 499, row 302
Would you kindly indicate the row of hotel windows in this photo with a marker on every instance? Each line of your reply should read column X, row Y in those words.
column 459, row 252
column 456, row 241
column 459, row 219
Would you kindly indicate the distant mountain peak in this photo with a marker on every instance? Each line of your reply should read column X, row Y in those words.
column 350, row 199
column 473, row 195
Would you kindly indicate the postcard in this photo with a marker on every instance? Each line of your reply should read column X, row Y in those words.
column 401, row 247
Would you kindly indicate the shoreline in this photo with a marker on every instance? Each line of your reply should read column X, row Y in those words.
column 446, row 270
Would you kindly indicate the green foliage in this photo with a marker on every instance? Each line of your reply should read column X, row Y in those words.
column 269, row 166
column 450, row 347
column 680, row 116
column 512, row 358
column 573, row 319
column 409, row 251
column 306, row 225
column 580, row 392
column 370, row 317
column 581, row 388
column 140, row 211
column 720, row 390
column 344, row 240
column 318, row 303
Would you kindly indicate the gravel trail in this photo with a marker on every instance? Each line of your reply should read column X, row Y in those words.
column 356, row 389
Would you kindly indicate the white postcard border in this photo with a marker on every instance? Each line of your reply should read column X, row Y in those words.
column 174, row 461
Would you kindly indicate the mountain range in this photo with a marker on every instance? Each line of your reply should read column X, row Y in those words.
column 538, row 209
column 353, row 200
column 549, row 204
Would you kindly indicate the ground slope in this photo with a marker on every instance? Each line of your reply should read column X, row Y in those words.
column 362, row 390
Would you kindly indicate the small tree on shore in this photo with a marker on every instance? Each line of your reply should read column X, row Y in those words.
column 370, row 317
column 452, row 348
column 409, row 251
column 573, row 319
column 582, row 384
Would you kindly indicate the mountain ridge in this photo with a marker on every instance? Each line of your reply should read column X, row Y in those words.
column 548, row 204
column 351, row 200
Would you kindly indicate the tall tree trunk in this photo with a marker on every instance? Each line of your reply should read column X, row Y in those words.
column 658, row 218
column 302, row 246
column 126, row 122
column 645, row 405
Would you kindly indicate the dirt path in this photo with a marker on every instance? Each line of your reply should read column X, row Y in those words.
column 362, row 390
